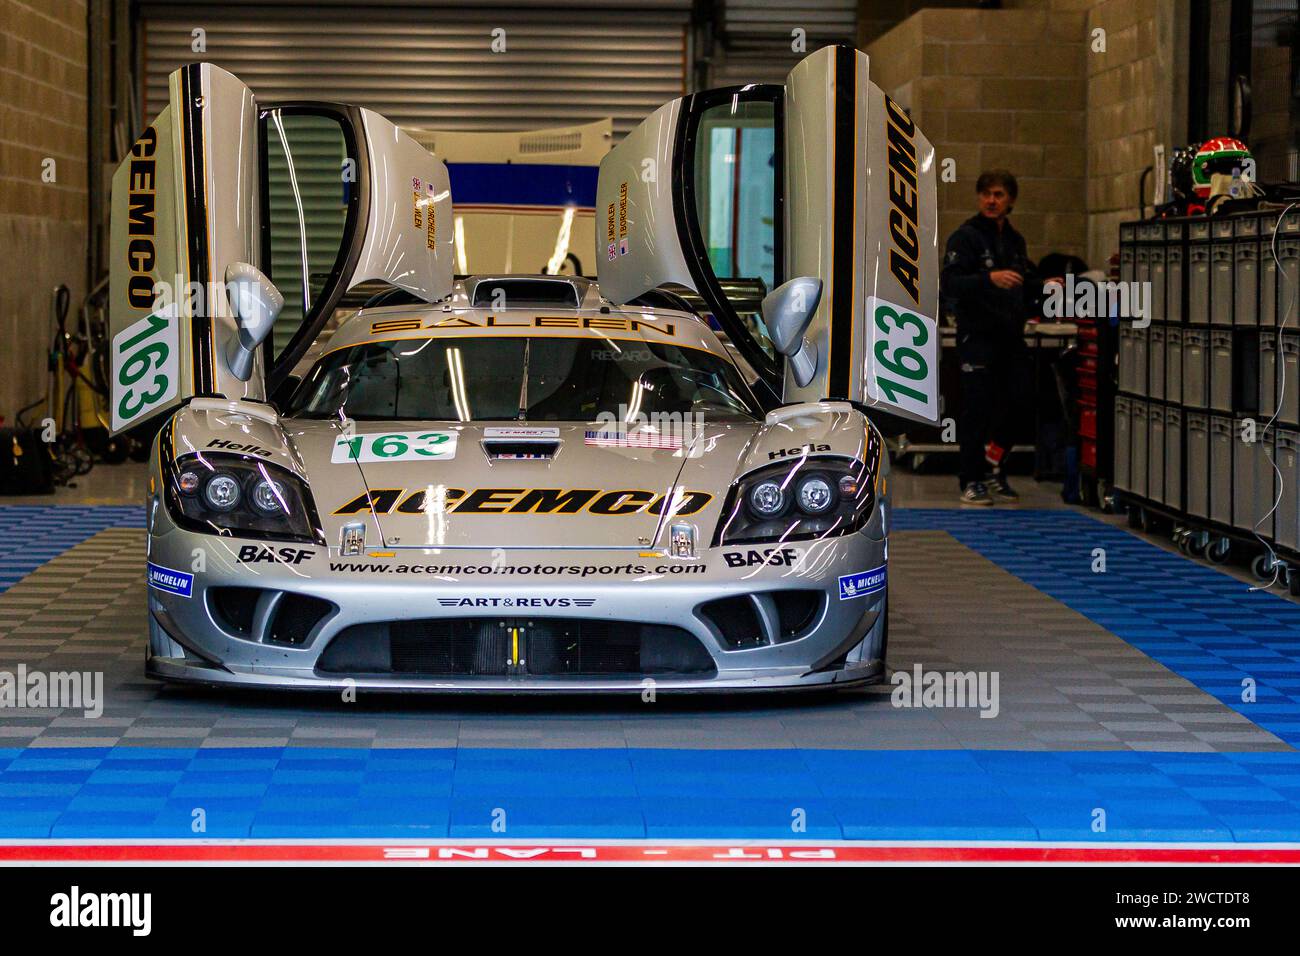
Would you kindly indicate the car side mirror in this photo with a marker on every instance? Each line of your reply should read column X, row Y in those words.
column 256, row 302
column 787, row 311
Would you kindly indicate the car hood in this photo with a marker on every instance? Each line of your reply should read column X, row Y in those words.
column 585, row 488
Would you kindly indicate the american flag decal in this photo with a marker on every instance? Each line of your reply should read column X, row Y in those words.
column 640, row 439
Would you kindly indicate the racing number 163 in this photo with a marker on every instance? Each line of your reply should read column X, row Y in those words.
column 903, row 361
column 144, row 352
column 396, row 446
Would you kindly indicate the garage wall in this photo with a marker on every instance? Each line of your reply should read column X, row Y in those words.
column 1133, row 89
column 435, row 66
column 42, row 224
column 998, row 88
column 1023, row 87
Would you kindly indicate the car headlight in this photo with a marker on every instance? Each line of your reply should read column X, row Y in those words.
column 234, row 494
column 799, row 499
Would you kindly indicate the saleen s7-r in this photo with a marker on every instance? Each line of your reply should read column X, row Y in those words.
column 521, row 483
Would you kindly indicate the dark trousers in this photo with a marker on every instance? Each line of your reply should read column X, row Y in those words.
column 994, row 393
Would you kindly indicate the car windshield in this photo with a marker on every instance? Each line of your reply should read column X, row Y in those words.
column 498, row 378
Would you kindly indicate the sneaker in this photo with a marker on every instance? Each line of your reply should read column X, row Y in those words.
column 976, row 493
column 1001, row 488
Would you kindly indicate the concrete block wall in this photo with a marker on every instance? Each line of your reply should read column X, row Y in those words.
column 42, row 224
column 998, row 88
column 1124, row 116
column 1023, row 87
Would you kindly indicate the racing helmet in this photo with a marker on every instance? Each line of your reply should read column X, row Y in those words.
column 1219, row 155
column 1180, row 171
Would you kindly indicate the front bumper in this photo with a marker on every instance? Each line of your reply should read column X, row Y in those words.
column 527, row 592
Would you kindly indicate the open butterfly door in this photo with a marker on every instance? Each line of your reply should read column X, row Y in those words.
column 733, row 192
column 319, row 197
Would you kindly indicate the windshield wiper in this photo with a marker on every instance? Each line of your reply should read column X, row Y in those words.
column 523, row 386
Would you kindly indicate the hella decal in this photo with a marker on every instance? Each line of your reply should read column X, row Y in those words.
column 519, row 501
column 173, row 582
column 863, row 583
column 776, row 557
column 260, row 554
column 220, row 444
column 904, row 257
column 797, row 450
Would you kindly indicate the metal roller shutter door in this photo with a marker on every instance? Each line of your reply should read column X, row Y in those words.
column 433, row 67
column 759, row 36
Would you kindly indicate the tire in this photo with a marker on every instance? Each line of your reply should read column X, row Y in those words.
column 1219, row 551
column 1196, row 545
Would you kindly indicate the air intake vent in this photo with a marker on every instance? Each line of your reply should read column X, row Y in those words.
column 550, row 143
column 524, row 294
column 502, row 449
column 736, row 619
column 234, row 608
column 295, row 617
column 796, row 611
column 765, row 617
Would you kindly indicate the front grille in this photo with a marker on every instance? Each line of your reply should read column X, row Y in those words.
column 445, row 647
column 538, row 647
column 614, row 647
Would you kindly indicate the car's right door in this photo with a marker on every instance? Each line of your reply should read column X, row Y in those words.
column 731, row 192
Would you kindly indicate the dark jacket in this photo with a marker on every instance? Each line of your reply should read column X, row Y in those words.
column 985, row 312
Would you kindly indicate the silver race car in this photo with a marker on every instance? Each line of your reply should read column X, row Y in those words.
column 525, row 483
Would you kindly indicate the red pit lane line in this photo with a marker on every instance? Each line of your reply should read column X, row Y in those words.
column 627, row 853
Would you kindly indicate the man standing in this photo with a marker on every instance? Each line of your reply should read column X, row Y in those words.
column 986, row 283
